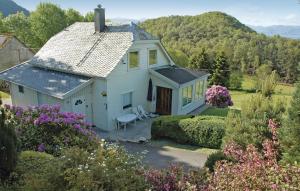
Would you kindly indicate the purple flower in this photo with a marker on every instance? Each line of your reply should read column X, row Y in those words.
column 41, row 147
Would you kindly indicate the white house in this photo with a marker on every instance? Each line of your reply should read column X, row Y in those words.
column 103, row 71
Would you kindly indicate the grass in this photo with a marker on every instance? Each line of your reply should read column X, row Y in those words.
column 4, row 95
column 167, row 144
column 282, row 92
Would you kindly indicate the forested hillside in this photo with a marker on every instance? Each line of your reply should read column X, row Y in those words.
column 246, row 50
column 8, row 7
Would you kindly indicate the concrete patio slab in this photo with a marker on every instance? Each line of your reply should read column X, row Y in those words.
column 133, row 133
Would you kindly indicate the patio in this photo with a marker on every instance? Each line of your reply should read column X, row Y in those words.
column 141, row 131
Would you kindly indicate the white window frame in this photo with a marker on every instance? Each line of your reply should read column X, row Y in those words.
column 201, row 95
column 149, row 57
column 182, row 97
column 130, row 105
column 139, row 60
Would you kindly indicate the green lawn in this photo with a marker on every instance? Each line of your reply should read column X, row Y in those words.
column 282, row 91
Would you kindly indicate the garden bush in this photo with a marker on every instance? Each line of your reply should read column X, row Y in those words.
column 255, row 170
column 214, row 158
column 168, row 127
column 175, row 178
column 205, row 131
column 251, row 125
column 8, row 147
column 47, row 129
column 218, row 96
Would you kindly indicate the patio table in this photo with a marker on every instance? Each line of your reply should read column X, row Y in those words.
column 125, row 119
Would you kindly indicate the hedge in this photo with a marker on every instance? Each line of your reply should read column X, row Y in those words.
column 204, row 131
column 168, row 127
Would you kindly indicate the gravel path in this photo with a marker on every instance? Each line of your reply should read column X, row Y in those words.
column 158, row 157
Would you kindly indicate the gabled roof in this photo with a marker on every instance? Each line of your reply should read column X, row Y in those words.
column 78, row 49
column 4, row 39
column 179, row 75
column 53, row 83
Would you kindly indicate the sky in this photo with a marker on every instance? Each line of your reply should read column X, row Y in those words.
column 250, row 12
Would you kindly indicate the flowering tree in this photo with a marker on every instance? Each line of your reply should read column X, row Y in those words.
column 218, row 96
column 46, row 128
column 255, row 170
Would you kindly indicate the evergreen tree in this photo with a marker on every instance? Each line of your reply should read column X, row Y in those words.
column 221, row 73
column 291, row 131
column 201, row 61
column 8, row 145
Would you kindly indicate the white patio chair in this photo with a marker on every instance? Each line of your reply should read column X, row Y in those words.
column 143, row 112
column 146, row 114
column 136, row 112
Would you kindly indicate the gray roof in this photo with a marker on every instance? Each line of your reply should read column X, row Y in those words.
column 180, row 75
column 78, row 49
column 56, row 84
column 3, row 40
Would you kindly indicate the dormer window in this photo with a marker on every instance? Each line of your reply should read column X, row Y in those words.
column 152, row 57
column 134, row 60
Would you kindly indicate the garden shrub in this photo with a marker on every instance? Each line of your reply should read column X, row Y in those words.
column 176, row 179
column 39, row 171
column 107, row 168
column 46, row 128
column 251, row 125
column 8, row 147
column 218, row 96
column 168, row 127
column 205, row 131
column 254, row 170
column 235, row 81
column 214, row 158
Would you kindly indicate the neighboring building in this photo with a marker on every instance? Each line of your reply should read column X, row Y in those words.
column 103, row 71
column 13, row 52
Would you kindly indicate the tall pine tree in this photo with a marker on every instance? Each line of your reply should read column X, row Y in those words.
column 221, row 73
column 290, row 136
column 200, row 61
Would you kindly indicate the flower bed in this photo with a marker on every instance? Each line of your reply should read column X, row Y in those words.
column 46, row 128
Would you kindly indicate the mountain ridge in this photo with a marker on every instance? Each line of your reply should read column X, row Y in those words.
column 246, row 50
column 8, row 7
column 288, row 31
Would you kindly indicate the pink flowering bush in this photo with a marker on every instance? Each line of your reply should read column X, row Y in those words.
column 218, row 96
column 47, row 129
column 255, row 170
column 175, row 179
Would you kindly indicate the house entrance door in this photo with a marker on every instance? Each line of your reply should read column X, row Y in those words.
column 164, row 101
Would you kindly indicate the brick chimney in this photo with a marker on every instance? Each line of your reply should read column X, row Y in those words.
column 99, row 19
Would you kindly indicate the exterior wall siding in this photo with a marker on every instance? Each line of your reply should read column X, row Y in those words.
column 28, row 98
column 124, row 80
column 14, row 53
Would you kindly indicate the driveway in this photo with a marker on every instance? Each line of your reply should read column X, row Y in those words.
column 159, row 157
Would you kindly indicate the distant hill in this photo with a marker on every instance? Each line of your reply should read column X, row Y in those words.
column 185, row 36
column 8, row 7
column 284, row 31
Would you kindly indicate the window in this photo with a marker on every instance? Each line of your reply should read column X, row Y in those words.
column 199, row 89
column 134, row 59
column 152, row 57
column 127, row 100
column 187, row 95
column 21, row 89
